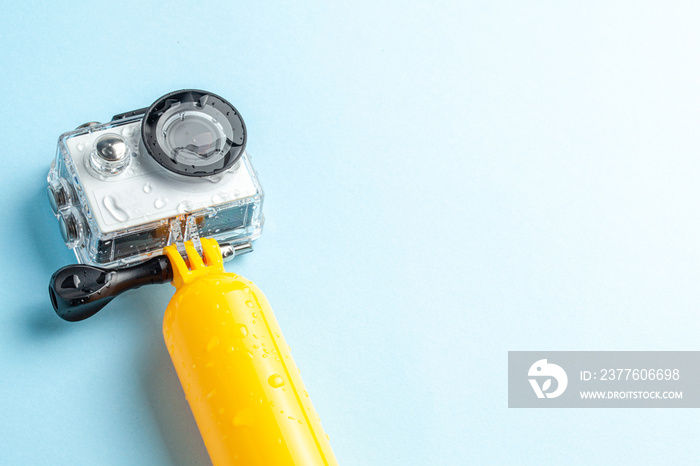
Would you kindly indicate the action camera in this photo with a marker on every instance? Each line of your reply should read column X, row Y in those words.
column 165, row 194
column 165, row 174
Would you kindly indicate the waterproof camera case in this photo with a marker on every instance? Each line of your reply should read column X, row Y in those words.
column 165, row 194
column 124, row 190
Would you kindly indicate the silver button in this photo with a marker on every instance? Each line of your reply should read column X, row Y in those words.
column 110, row 155
column 112, row 147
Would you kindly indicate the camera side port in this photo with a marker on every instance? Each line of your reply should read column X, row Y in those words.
column 60, row 194
column 70, row 222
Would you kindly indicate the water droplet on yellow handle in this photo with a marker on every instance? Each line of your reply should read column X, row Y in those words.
column 275, row 380
column 213, row 341
column 244, row 417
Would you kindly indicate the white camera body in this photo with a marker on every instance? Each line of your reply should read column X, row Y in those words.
column 117, row 204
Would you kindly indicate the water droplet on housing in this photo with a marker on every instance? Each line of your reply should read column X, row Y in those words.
column 184, row 206
column 113, row 208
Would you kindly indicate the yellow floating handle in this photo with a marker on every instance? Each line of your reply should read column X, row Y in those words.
column 237, row 371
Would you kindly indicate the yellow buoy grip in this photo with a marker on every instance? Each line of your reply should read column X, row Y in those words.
column 236, row 369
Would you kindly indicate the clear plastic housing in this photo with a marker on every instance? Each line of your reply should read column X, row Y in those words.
column 124, row 215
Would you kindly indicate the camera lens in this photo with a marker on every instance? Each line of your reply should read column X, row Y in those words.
column 192, row 136
column 193, row 133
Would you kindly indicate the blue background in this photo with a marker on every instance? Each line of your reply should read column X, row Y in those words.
column 445, row 182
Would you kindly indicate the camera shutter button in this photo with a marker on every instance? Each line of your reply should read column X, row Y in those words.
column 111, row 148
column 110, row 155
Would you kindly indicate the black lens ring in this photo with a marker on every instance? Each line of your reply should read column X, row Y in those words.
column 160, row 106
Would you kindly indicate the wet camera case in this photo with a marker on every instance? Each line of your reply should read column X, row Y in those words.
column 166, row 194
column 125, row 189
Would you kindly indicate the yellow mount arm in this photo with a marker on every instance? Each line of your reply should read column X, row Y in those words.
column 236, row 369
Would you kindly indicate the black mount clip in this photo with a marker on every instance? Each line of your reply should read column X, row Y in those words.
column 78, row 291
